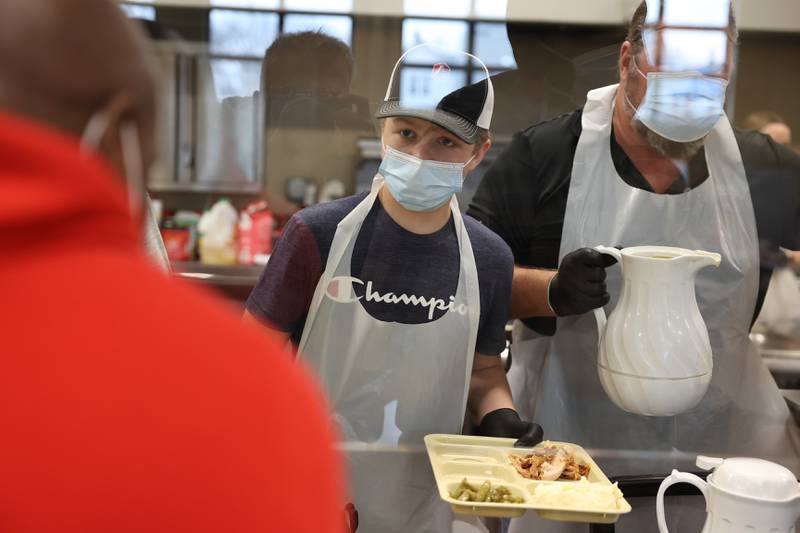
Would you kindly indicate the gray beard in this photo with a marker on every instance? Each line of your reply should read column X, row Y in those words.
column 666, row 147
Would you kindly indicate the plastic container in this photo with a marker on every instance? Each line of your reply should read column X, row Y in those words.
column 217, row 226
column 455, row 457
column 256, row 225
column 177, row 243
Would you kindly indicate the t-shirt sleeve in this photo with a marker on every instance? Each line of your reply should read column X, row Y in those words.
column 495, row 279
column 497, row 202
column 283, row 294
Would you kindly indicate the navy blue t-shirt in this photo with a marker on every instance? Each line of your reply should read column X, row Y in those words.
column 394, row 260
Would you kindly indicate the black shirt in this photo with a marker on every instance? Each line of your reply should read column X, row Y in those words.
column 523, row 195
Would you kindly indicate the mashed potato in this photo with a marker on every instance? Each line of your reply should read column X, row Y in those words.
column 580, row 494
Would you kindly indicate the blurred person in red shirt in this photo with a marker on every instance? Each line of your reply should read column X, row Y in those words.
column 129, row 402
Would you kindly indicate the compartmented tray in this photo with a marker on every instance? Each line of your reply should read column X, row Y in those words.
column 478, row 459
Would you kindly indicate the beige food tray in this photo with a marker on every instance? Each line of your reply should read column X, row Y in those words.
column 455, row 457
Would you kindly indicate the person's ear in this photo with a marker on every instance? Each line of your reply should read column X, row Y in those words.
column 381, row 127
column 479, row 155
column 625, row 54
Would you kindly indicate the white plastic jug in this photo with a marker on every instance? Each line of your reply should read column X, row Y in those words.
column 743, row 495
column 654, row 356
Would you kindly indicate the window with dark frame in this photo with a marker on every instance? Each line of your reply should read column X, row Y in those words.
column 238, row 38
column 139, row 11
column 484, row 39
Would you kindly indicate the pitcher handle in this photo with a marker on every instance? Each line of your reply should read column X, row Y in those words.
column 600, row 317
column 599, row 313
column 673, row 478
column 610, row 250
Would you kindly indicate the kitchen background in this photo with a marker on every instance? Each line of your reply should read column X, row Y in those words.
column 309, row 137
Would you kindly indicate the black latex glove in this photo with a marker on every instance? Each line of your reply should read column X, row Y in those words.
column 580, row 284
column 506, row 423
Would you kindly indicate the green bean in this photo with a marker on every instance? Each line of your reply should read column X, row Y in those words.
column 456, row 492
column 484, row 491
column 466, row 492
column 468, row 496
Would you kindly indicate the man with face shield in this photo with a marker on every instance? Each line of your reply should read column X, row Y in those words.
column 123, row 409
column 650, row 161
column 399, row 302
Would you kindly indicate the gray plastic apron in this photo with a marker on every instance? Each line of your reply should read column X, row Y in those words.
column 390, row 384
column 743, row 412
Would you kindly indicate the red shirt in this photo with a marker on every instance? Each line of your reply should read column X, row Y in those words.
column 129, row 402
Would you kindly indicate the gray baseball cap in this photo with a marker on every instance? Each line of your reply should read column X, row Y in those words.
column 431, row 83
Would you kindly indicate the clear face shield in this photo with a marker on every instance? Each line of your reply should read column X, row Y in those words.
column 446, row 88
column 436, row 114
column 687, row 59
column 686, row 36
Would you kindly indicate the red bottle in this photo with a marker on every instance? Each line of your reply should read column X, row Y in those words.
column 255, row 234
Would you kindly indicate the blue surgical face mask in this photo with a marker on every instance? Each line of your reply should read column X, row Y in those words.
column 681, row 106
column 419, row 184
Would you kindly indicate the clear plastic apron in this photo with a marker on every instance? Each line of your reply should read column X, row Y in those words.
column 743, row 412
column 390, row 384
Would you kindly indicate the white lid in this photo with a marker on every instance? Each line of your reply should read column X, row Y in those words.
column 751, row 478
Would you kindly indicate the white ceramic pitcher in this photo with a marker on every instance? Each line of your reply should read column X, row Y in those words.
column 654, row 356
column 743, row 495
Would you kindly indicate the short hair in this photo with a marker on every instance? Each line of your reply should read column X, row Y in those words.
column 483, row 136
column 301, row 60
column 636, row 28
column 759, row 119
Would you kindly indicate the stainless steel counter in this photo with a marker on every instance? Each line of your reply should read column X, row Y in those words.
column 234, row 282
column 782, row 357
column 793, row 401
column 218, row 274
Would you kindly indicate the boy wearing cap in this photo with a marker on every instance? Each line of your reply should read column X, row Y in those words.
column 400, row 303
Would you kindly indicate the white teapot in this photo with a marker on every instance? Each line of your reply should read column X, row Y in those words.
column 743, row 495
column 654, row 356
